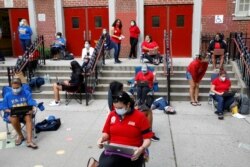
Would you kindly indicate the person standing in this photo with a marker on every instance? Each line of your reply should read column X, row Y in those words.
column 25, row 34
column 116, row 37
column 195, row 72
column 134, row 34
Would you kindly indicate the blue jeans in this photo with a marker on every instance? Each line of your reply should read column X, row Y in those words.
column 115, row 46
column 25, row 43
column 223, row 102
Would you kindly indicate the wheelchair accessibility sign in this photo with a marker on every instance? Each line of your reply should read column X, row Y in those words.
column 218, row 19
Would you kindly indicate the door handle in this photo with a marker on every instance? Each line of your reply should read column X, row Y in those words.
column 14, row 36
column 89, row 35
column 84, row 35
column 171, row 35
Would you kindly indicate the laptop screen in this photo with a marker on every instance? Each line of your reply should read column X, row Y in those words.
column 22, row 110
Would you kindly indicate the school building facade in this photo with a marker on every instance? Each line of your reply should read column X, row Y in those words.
column 81, row 20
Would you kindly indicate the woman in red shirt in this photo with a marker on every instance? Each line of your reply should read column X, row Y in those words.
column 220, row 85
column 127, row 126
column 116, row 37
column 134, row 34
column 148, row 45
column 195, row 72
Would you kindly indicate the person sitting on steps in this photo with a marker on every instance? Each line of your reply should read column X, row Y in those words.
column 57, row 46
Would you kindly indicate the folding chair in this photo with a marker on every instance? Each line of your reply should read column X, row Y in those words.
column 74, row 92
column 131, row 82
column 5, row 116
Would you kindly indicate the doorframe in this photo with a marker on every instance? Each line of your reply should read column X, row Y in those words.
column 196, row 28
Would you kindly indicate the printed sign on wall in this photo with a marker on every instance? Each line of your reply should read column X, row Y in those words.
column 218, row 19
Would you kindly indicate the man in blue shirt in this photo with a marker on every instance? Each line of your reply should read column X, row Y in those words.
column 25, row 34
column 16, row 98
column 57, row 46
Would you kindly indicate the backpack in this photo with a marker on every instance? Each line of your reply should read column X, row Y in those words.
column 48, row 125
column 244, row 104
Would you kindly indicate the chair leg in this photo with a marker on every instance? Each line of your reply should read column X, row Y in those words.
column 8, row 133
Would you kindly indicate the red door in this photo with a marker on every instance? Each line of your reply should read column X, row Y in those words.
column 97, row 20
column 84, row 24
column 16, row 15
column 181, row 26
column 178, row 19
column 155, row 23
column 75, row 29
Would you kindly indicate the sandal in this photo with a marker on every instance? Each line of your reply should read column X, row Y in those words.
column 197, row 103
column 19, row 141
column 193, row 103
column 32, row 145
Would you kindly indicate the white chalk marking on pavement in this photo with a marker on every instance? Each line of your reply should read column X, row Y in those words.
column 60, row 152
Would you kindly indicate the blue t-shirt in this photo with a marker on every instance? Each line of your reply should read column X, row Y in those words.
column 24, row 98
column 58, row 42
column 25, row 32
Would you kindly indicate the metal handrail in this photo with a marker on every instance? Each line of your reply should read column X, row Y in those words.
column 28, row 57
column 168, row 61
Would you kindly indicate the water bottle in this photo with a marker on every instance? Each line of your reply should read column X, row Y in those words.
column 48, row 78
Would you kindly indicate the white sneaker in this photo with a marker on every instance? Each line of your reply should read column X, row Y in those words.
column 237, row 115
column 54, row 103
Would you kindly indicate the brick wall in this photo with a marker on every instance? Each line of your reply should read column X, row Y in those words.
column 16, row 4
column 161, row 2
column 126, row 11
column 210, row 8
column 77, row 3
column 46, row 28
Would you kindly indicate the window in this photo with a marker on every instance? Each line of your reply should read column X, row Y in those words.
column 155, row 21
column 98, row 21
column 180, row 21
column 75, row 22
column 242, row 8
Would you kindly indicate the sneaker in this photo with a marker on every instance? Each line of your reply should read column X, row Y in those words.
column 54, row 103
column 154, row 138
column 220, row 116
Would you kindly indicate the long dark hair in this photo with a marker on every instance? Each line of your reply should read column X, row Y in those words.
column 133, row 22
column 124, row 98
column 75, row 67
column 114, row 24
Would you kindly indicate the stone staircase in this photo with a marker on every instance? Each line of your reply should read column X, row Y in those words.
column 122, row 73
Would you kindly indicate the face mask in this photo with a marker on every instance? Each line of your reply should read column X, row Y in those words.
column 223, row 78
column 104, row 32
column 121, row 111
column 57, row 36
column 16, row 91
column 132, row 23
column 86, row 45
column 21, row 23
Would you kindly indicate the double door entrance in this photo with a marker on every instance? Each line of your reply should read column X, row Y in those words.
column 176, row 19
column 9, row 22
column 84, row 24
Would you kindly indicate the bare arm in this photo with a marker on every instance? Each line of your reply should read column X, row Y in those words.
column 146, row 143
column 101, row 140
column 213, row 90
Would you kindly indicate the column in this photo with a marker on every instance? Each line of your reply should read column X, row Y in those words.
column 140, row 23
column 32, row 18
column 196, row 36
column 59, row 16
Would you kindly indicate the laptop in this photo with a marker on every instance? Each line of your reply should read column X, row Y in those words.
column 119, row 149
column 142, row 84
column 219, row 51
column 228, row 93
column 153, row 52
column 22, row 110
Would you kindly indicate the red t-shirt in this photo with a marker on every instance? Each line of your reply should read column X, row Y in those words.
column 134, row 31
column 197, row 69
column 131, row 130
column 150, row 45
column 217, row 45
column 117, row 32
column 149, row 77
column 221, row 86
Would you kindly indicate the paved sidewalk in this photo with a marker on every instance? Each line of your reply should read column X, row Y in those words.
column 192, row 138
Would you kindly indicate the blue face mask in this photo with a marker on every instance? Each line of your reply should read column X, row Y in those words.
column 16, row 91
column 121, row 111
